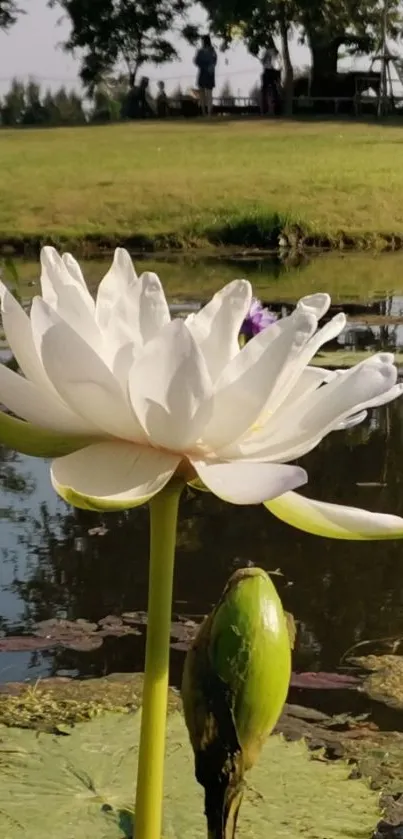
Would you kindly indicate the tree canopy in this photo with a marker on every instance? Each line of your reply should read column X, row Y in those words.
column 9, row 12
column 111, row 34
column 321, row 23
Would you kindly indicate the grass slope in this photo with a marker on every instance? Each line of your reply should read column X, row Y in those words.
column 234, row 183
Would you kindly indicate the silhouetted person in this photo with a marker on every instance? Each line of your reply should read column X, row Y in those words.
column 206, row 60
column 270, row 79
column 162, row 101
column 144, row 100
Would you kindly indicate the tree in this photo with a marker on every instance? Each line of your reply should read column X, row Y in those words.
column 112, row 33
column 255, row 21
column 255, row 95
column 68, row 108
column 108, row 99
column 13, row 109
column 34, row 112
column 324, row 24
column 328, row 24
column 227, row 93
column 9, row 12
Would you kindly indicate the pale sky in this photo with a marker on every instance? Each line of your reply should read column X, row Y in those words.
column 32, row 48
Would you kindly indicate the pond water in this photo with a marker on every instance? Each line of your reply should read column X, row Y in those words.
column 59, row 562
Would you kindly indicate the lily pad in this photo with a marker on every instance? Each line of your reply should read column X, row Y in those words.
column 324, row 681
column 82, row 787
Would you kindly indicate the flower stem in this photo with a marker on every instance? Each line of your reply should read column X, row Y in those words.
column 150, row 776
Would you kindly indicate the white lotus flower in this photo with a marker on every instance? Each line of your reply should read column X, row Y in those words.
column 123, row 398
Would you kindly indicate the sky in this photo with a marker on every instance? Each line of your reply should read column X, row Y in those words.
column 32, row 48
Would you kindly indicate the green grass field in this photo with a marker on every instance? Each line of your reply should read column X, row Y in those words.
column 196, row 183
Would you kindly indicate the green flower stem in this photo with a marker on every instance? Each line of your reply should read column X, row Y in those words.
column 150, row 777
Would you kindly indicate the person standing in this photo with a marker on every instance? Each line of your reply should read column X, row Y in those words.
column 270, row 80
column 206, row 60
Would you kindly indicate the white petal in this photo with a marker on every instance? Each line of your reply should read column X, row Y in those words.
column 254, row 443
column 379, row 401
column 120, row 276
column 137, row 315
column 334, row 521
column 313, row 304
column 385, row 398
column 360, row 388
column 363, row 386
column 245, row 386
column 112, row 476
column 17, row 327
column 310, row 379
column 292, row 371
column 351, row 422
column 59, row 274
column 69, row 298
column 81, row 377
column 249, row 483
column 318, row 303
column 153, row 312
column 48, row 258
column 122, row 363
column 38, row 405
column 171, row 390
column 74, row 269
column 216, row 327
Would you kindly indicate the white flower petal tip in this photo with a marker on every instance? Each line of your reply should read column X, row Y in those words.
column 74, row 269
column 49, row 254
column 112, row 476
column 334, row 521
column 319, row 303
column 6, row 298
column 32, row 440
column 217, row 325
column 249, row 483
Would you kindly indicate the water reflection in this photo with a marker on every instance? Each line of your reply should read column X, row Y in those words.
column 340, row 593
column 59, row 562
column 358, row 279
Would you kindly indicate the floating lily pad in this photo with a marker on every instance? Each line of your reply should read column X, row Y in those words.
column 81, row 787
column 324, row 681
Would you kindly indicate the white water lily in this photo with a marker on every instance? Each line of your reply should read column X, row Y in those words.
column 123, row 398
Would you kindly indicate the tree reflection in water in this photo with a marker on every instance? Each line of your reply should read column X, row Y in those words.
column 340, row 592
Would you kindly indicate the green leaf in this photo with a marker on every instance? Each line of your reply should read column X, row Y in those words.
column 81, row 786
column 32, row 440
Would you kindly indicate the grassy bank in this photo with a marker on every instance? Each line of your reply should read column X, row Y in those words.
column 183, row 184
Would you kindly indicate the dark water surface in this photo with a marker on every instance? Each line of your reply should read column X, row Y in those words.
column 59, row 562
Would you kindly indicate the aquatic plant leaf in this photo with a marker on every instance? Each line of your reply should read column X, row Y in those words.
column 324, row 681
column 80, row 786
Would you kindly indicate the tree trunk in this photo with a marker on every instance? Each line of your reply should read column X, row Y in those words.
column 324, row 59
column 287, row 64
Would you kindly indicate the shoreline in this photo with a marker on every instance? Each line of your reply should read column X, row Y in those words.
column 224, row 243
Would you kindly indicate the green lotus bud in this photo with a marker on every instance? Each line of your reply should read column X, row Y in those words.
column 235, row 683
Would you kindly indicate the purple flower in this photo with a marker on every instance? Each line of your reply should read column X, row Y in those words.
column 257, row 319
